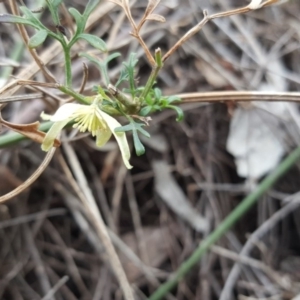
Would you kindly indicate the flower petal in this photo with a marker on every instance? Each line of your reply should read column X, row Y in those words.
column 45, row 117
column 120, row 137
column 66, row 111
column 52, row 134
column 102, row 137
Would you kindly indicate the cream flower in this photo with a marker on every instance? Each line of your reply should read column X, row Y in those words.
column 88, row 118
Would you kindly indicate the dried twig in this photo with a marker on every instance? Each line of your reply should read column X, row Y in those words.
column 31, row 179
column 84, row 78
column 239, row 96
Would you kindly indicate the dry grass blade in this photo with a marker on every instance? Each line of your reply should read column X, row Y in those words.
column 31, row 179
column 55, row 288
column 95, row 218
column 32, row 217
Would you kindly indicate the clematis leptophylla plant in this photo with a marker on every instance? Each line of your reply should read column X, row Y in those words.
column 88, row 118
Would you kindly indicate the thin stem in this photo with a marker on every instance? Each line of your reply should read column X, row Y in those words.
column 222, row 229
column 67, row 90
column 150, row 81
column 206, row 19
column 145, row 47
column 136, row 33
column 187, row 36
column 68, row 65
column 155, row 70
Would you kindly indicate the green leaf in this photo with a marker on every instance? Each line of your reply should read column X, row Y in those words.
column 150, row 100
column 180, row 114
column 75, row 14
column 37, row 39
column 143, row 131
column 31, row 17
column 138, row 146
column 135, row 128
column 90, row 58
column 78, row 19
column 92, row 4
column 172, row 99
column 123, row 77
column 145, row 110
column 124, row 128
column 157, row 93
column 102, row 65
column 56, row 3
column 130, row 65
column 94, row 41
column 53, row 8
column 53, row 4
column 81, row 22
column 111, row 57
column 7, row 18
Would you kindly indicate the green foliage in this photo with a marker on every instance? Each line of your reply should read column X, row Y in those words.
column 153, row 101
column 129, row 71
column 95, row 41
column 53, row 7
column 135, row 127
column 7, row 18
column 32, row 18
column 156, row 102
column 38, row 38
column 131, row 101
column 102, row 65
column 91, row 5
column 79, row 20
